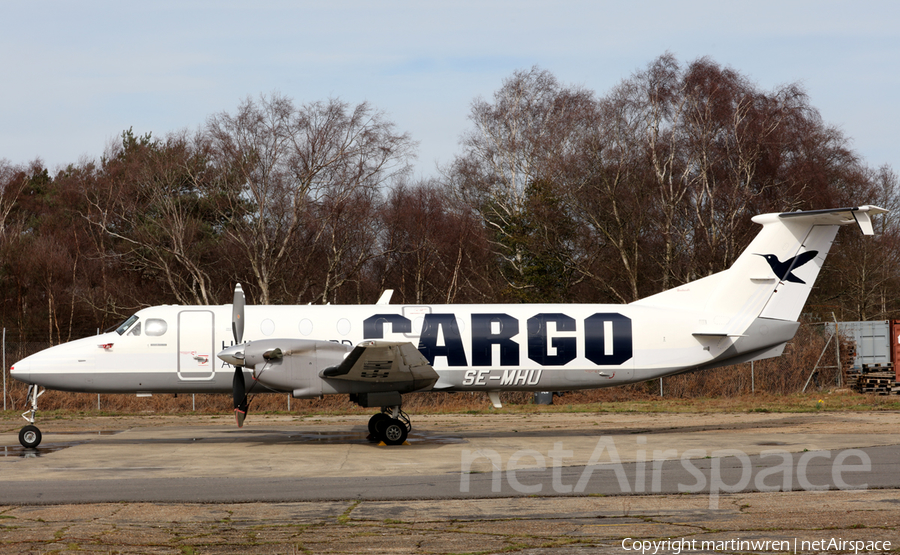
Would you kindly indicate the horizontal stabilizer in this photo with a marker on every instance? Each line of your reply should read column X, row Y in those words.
column 861, row 215
column 716, row 334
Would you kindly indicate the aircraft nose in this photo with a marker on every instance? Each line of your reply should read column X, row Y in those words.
column 233, row 355
column 20, row 371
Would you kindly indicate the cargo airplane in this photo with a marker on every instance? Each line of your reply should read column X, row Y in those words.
column 377, row 353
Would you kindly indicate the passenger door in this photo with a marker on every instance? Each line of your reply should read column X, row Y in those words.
column 196, row 345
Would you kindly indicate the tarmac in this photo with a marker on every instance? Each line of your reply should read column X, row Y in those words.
column 166, row 465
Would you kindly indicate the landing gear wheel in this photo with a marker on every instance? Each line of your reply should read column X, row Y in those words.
column 376, row 425
column 30, row 437
column 377, row 421
column 394, row 432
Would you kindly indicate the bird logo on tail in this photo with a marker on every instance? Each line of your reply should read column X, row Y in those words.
column 785, row 270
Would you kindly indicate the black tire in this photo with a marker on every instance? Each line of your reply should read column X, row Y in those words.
column 30, row 437
column 376, row 425
column 377, row 422
column 394, row 432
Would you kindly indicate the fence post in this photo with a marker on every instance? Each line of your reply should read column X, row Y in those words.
column 752, row 379
column 4, row 368
column 837, row 352
column 98, row 395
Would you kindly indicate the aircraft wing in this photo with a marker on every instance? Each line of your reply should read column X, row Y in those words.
column 384, row 362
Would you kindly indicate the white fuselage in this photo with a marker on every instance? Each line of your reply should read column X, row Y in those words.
column 172, row 349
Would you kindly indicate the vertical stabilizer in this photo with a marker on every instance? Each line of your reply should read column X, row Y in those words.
column 773, row 277
column 797, row 275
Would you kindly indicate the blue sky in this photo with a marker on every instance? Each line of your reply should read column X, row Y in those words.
column 74, row 75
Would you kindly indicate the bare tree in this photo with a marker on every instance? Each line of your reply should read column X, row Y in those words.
column 610, row 199
column 700, row 150
column 730, row 131
column 154, row 203
column 518, row 151
column 431, row 250
column 12, row 181
column 861, row 278
column 279, row 166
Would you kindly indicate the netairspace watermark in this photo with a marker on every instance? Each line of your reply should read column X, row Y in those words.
column 778, row 476
column 796, row 545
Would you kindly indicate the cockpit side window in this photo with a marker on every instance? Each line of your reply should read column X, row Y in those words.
column 126, row 324
column 155, row 326
column 136, row 330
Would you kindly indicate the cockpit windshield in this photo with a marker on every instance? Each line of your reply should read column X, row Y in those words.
column 126, row 324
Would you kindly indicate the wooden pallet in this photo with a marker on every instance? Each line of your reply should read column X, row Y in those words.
column 873, row 378
column 884, row 390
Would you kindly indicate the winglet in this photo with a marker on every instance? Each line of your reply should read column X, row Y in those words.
column 864, row 221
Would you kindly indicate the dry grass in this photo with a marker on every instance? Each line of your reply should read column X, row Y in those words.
column 625, row 399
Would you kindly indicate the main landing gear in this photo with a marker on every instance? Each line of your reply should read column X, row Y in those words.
column 30, row 435
column 391, row 428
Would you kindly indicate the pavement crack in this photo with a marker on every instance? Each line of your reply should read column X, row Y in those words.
column 345, row 456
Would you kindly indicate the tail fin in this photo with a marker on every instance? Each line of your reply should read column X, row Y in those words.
column 773, row 277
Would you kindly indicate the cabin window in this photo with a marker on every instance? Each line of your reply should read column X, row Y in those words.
column 155, row 326
column 126, row 324
column 136, row 330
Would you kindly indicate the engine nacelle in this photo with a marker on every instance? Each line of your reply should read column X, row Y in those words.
column 290, row 365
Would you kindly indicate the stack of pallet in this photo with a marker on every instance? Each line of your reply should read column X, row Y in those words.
column 873, row 378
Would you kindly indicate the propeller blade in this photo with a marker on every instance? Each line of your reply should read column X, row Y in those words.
column 239, row 391
column 237, row 314
column 239, row 394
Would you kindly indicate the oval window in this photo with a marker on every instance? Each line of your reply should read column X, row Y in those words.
column 155, row 326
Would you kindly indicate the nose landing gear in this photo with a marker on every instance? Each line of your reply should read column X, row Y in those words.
column 30, row 435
